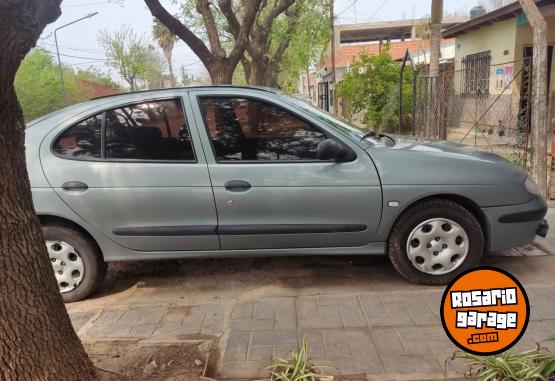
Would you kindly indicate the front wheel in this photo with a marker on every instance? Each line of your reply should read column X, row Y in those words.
column 76, row 260
column 435, row 240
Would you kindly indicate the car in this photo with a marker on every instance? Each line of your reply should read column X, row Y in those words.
column 232, row 171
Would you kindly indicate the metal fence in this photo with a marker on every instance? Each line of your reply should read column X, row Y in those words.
column 485, row 105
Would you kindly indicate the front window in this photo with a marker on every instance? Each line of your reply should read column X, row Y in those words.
column 248, row 129
column 338, row 123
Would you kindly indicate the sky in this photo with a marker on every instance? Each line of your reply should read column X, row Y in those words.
column 80, row 39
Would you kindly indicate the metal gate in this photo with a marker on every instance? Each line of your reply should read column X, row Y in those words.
column 484, row 105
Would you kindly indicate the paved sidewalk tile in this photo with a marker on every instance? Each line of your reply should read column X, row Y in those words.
column 158, row 321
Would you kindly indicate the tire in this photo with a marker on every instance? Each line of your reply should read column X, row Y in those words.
column 443, row 218
column 71, row 250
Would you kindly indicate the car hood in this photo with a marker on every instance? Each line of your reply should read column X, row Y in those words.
column 446, row 148
column 426, row 161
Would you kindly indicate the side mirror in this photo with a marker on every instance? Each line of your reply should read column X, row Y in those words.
column 329, row 149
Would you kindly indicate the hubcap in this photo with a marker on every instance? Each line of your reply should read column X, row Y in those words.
column 68, row 265
column 437, row 246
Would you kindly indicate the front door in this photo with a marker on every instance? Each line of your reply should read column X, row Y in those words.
column 271, row 192
column 135, row 172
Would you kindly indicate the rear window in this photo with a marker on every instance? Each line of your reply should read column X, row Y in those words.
column 83, row 140
column 149, row 131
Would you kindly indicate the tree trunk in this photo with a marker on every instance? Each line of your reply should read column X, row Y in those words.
column 168, row 56
column 38, row 341
column 172, row 76
column 221, row 74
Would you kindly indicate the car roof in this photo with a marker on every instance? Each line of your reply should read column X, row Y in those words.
column 200, row 87
column 137, row 95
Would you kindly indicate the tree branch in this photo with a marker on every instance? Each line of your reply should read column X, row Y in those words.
column 277, row 10
column 233, row 23
column 203, row 7
column 293, row 20
column 251, row 8
column 180, row 30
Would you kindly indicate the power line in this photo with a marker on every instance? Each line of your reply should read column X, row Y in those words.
column 80, row 57
column 75, row 49
column 379, row 9
column 348, row 7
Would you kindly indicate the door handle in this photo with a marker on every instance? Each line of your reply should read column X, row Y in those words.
column 74, row 185
column 237, row 186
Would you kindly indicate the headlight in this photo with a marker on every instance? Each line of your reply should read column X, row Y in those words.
column 531, row 186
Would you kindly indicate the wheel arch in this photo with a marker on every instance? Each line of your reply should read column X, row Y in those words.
column 465, row 202
column 48, row 219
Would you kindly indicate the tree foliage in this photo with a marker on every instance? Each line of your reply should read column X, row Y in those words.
column 129, row 54
column 219, row 59
column 166, row 40
column 284, row 37
column 39, row 87
column 308, row 40
column 371, row 88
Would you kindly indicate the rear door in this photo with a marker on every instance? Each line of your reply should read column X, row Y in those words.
column 137, row 173
column 271, row 191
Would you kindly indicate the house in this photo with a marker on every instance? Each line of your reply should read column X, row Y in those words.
column 493, row 54
column 353, row 39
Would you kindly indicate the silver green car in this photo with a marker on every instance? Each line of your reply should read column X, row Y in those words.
column 239, row 171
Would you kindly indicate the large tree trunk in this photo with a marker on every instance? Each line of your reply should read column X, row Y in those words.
column 37, row 339
column 221, row 74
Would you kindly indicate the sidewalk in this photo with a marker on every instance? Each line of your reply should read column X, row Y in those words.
column 359, row 318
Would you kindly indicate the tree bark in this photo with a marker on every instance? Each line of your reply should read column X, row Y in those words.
column 37, row 339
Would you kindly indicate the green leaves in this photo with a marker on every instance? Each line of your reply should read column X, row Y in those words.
column 39, row 87
column 371, row 88
column 297, row 368
column 533, row 365
column 131, row 56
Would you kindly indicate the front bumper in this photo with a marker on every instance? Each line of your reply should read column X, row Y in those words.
column 543, row 229
column 515, row 225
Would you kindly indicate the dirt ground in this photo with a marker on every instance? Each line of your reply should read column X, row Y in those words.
column 134, row 360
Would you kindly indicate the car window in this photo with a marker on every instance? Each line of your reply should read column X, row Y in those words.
column 81, row 141
column 248, row 129
column 148, row 131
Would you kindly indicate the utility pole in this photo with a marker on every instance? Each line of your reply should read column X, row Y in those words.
column 58, row 51
column 539, row 94
column 333, row 69
column 435, row 29
column 437, row 124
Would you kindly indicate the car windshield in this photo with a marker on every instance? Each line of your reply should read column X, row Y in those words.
column 341, row 124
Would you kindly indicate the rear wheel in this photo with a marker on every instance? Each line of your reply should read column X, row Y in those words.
column 435, row 240
column 76, row 260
